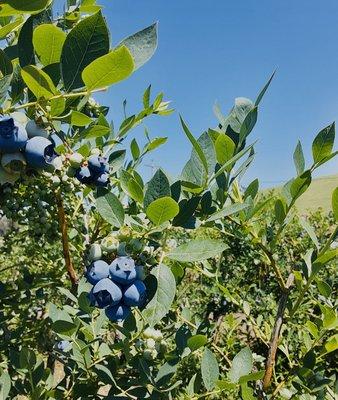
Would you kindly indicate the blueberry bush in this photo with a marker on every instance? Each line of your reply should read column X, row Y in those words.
column 171, row 289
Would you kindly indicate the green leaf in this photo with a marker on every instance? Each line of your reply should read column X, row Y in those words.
column 25, row 43
column 162, row 210
column 116, row 159
column 237, row 114
column 86, row 42
column 323, row 143
column 194, row 171
column 5, row 385
column 110, row 209
column 248, row 124
column 96, row 131
column 310, row 231
column 209, row 369
column 9, row 28
column 197, row 148
column 38, row 82
column 252, row 189
column 280, row 210
column 6, row 66
column 225, row 148
column 142, row 45
column 227, row 210
column 64, row 327
column 48, row 41
column 135, row 149
column 324, row 288
column 197, row 250
column 108, row 69
column 154, row 143
column 79, row 119
column 300, row 184
column 157, row 187
column 230, row 162
column 298, row 158
column 197, row 341
column 335, row 203
column 265, row 88
column 14, row 7
column 185, row 217
column 131, row 187
column 241, row 365
column 160, row 304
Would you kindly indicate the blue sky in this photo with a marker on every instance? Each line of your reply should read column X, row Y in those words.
column 219, row 50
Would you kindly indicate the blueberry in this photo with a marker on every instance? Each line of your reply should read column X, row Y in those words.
column 63, row 345
column 84, row 175
column 122, row 270
column 97, row 164
column 75, row 160
column 118, row 313
column 96, row 271
column 13, row 136
column 110, row 244
column 13, row 163
column 34, row 130
column 40, row 153
column 95, row 252
column 102, row 180
column 135, row 294
column 105, row 293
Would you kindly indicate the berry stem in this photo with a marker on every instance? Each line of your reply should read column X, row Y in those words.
column 64, row 234
column 270, row 363
column 57, row 96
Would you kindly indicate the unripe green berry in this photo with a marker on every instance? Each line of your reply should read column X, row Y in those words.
column 76, row 160
column 95, row 252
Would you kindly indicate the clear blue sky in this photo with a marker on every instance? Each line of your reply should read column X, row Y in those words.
column 221, row 49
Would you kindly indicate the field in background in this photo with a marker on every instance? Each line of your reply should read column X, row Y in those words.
column 319, row 194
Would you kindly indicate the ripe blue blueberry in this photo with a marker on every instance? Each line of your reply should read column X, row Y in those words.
column 13, row 136
column 118, row 313
column 102, row 180
column 122, row 270
column 40, row 153
column 34, row 130
column 84, row 175
column 63, row 345
column 96, row 271
column 105, row 293
column 98, row 164
column 135, row 294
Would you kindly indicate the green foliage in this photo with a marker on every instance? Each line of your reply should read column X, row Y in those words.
column 223, row 265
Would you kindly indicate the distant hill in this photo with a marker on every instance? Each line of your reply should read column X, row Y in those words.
column 318, row 195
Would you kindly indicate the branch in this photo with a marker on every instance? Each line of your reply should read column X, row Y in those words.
column 276, row 333
column 64, row 234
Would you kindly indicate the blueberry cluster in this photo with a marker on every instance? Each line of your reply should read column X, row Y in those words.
column 95, row 172
column 116, row 287
column 22, row 147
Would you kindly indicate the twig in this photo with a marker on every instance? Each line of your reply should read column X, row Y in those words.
column 64, row 234
column 276, row 333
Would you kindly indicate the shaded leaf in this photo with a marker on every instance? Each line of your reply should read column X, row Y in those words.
column 110, row 209
column 209, row 369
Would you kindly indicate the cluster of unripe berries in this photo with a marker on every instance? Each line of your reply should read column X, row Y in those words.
column 151, row 344
column 94, row 171
column 117, row 286
column 25, row 146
